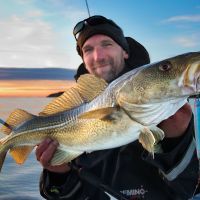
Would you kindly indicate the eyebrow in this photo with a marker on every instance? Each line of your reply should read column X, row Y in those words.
column 102, row 41
column 86, row 46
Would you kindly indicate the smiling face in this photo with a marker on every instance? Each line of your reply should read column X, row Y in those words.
column 103, row 57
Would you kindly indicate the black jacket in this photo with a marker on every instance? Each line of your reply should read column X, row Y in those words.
column 129, row 170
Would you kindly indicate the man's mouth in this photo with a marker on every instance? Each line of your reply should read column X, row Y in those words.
column 101, row 66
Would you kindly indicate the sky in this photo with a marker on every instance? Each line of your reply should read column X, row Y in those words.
column 38, row 33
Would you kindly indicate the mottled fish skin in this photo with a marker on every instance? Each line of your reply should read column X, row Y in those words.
column 94, row 115
column 158, row 90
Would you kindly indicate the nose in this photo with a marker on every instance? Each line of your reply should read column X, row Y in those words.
column 99, row 54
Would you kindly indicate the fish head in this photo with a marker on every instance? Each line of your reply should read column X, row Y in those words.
column 173, row 78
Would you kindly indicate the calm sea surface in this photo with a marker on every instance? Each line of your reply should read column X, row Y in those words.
column 20, row 182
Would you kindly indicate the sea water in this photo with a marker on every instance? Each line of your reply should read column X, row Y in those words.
column 20, row 182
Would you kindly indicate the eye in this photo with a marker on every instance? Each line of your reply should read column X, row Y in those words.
column 87, row 49
column 106, row 43
column 166, row 66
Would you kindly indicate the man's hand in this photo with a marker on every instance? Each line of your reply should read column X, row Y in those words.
column 44, row 154
column 177, row 124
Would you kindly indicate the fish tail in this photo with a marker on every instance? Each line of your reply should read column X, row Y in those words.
column 2, row 154
column 4, row 134
column 18, row 153
column 2, row 158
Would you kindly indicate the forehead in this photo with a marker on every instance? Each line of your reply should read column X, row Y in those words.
column 97, row 39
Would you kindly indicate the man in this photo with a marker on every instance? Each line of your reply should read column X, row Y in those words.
column 127, row 170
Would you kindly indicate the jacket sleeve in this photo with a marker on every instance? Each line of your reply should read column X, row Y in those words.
column 60, row 186
column 178, row 164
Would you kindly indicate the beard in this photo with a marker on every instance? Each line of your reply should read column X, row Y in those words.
column 108, row 70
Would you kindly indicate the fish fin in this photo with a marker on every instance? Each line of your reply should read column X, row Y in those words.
column 90, row 86
column 146, row 138
column 158, row 135
column 158, row 148
column 15, row 118
column 149, row 138
column 20, row 154
column 157, row 132
column 2, row 158
column 68, row 100
column 102, row 114
column 87, row 88
column 61, row 156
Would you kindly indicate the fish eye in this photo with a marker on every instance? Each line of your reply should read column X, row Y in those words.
column 165, row 66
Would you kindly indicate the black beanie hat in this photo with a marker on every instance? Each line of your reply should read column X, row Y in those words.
column 108, row 28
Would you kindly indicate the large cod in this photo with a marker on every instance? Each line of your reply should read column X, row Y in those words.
column 95, row 116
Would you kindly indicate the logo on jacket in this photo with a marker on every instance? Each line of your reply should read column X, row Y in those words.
column 133, row 194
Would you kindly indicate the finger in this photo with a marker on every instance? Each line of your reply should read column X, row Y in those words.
column 42, row 147
column 48, row 153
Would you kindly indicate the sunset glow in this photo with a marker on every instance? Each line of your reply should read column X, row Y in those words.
column 32, row 88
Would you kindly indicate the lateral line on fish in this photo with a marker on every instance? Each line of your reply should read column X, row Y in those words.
column 43, row 128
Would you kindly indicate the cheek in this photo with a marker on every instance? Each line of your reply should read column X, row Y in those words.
column 88, row 63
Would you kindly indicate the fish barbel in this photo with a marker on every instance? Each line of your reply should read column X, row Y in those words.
column 95, row 116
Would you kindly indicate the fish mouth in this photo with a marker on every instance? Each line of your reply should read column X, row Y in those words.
column 196, row 81
column 190, row 80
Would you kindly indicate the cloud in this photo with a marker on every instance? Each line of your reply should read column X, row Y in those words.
column 35, row 13
column 188, row 42
column 31, row 43
column 23, row 35
column 184, row 18
column 38, row 34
